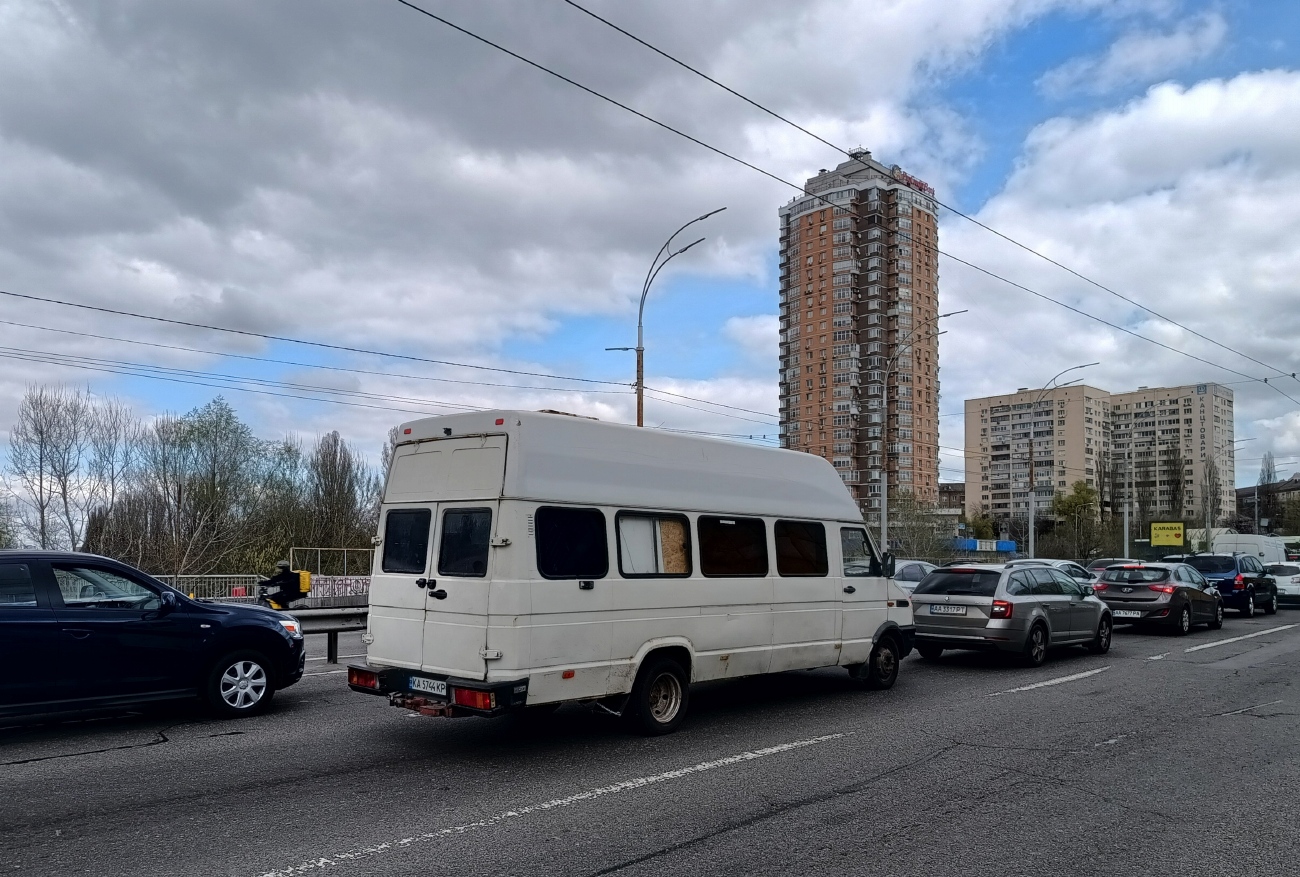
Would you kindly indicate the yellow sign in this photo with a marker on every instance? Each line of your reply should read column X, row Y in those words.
column 1167, row 534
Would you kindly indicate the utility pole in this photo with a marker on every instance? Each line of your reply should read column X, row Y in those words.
column 1033, row 412
column 904, row 343
column 655, row 267
column 1128, row 492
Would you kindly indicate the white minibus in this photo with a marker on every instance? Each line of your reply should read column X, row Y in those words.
column 530, row 559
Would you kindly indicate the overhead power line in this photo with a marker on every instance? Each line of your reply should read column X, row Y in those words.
column 1280, row 372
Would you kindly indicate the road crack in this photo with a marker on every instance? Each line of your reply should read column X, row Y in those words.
column 160, row 737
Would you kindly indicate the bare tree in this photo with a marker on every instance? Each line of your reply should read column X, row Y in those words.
column 50, row 459
column 1173, row 478
column 1211, row 498
column 1266, row 499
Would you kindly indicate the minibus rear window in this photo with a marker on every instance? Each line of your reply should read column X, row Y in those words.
column 406, row 540
column 571, row 543
column 732, row 546
column 653, row 545
column 465, row 536
column 801, row 548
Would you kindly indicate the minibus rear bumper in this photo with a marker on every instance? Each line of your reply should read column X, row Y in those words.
column 436, row 695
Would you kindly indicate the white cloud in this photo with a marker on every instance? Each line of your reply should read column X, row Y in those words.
column 1187, row 200
column 1137, row 57
column 756, row 336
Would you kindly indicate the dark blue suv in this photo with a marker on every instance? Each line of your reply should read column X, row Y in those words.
column 1240, row 578
column 80, row 632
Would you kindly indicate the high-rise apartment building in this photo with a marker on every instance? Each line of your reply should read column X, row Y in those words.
column 859, row 352
column 1164, row 450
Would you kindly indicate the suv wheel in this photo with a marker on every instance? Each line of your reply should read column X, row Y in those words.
column 1036, row 646
column 1271, row 608
column 659, row 698
column 1249, row 611
column 1184, row 625
column 1100, row 644
column 239, row 685
column 1217, row 623
column 881, row 670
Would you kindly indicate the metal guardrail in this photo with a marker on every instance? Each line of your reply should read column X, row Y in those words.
column 332, row 621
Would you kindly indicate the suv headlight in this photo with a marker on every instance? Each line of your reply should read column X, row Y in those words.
column 292, row 627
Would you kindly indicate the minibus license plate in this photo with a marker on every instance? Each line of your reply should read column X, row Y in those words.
column 429, row 686
column 1126, row 613
column 945, row 609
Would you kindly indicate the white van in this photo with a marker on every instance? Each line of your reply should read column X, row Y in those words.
column 1269, row 549
column 528, row 559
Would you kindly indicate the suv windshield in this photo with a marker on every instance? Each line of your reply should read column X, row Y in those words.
column 1211, row 564
column 1135, row 576
column 974, row 582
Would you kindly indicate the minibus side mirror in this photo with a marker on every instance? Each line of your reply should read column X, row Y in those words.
column 887, row 565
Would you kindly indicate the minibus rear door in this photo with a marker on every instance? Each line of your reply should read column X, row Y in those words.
column 456, row 590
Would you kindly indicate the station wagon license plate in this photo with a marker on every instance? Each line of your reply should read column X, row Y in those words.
column 945, row 609
column 1126, row 613
column 429, row 686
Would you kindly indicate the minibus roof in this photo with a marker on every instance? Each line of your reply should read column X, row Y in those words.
column 564, row 458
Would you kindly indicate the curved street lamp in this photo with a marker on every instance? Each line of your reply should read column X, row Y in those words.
column 1033, row 488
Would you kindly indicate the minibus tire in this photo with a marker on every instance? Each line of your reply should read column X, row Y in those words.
column 881, row 669
column 659, row 698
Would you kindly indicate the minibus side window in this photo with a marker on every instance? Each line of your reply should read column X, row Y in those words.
column 571, row 543
column 406, row 540
column 653, row 545
column 732, row 546
column 858, row 557
column 464, row 548
column 800, row 548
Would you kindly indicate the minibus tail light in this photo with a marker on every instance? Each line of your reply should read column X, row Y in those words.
column 479, row 700
column 363, row 678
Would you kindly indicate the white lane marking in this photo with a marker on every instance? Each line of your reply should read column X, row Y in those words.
column 625, row 786
column 323, row 657
column 1249, row 708
column 1158, row 657
column 1236, row 639
column 1057, row 681
column 325, row 672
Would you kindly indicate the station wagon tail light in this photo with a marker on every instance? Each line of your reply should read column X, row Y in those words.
column 479, row 700
column 363, row 678
column 1239, row 583
column 1001, row 609
column 1164, row 589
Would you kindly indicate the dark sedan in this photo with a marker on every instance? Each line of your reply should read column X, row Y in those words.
column 82, row 632
column 1167, row 594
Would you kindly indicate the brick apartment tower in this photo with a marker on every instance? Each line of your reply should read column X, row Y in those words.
column 859, row 357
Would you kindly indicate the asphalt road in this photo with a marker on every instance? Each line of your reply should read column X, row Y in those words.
column 1170, row 755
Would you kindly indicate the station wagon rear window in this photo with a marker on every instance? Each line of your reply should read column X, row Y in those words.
column 732, row 546
column 1135, row 576
column 956, row 582
column 406, row 540
column 1210, row 564
column 801, row 548
column 571, row 543
column 16, row 587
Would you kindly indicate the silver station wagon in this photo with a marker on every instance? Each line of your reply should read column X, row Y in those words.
column 1025, row 611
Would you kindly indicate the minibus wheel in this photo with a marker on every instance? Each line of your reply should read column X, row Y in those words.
column 881, row 669
column 659, row 697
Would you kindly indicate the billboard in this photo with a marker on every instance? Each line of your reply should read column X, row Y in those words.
column 1169, row 533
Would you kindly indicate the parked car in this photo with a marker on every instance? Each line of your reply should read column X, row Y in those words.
column 1069, row 567
column 908, row 573
column 1099, row 566
column 1287, row 578
column 1025, row 611
column 1240, row 578
column 80, row 632
column 1171, row 594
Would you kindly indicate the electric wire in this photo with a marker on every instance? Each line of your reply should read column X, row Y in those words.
column 1280, row 372
column 796, row 186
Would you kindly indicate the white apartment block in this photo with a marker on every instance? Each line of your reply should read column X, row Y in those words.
column 1151, row 439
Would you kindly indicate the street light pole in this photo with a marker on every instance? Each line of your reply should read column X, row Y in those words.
column 905, row 343
column 655, row 267
column 1033, row 412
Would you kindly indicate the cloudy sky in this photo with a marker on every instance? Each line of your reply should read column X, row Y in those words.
column 361, row 175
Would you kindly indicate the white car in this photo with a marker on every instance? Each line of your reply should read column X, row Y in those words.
column 1069, row 567
column 1287, row 576
column 908, row 573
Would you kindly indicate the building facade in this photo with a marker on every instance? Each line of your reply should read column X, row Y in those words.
column 859, row 353
column 1166, row 451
